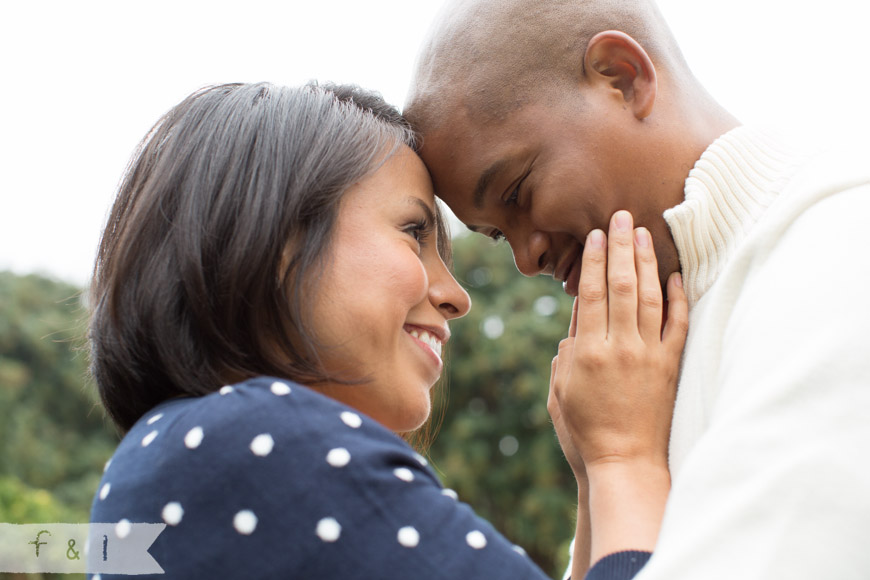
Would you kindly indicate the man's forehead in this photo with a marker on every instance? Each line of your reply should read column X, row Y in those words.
column 467, row 141
column 456, row 160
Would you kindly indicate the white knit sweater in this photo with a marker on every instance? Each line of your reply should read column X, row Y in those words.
column 770, row 448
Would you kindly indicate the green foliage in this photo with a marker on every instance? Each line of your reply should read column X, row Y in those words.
column 496, row 446
column 55, row 438
column 22, row 504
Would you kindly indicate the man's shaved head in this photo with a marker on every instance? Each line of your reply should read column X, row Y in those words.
column 491, row 55
column 540, row 119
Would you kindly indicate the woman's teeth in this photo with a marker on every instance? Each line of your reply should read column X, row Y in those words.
column 429, row 339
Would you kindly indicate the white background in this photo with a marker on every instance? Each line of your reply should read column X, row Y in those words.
column 83, row 81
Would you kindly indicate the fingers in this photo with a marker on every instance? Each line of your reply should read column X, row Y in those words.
column 649, row 292
column 619, row 292
column 591, row 304
column 572, row 328
column 561, row 366
column 552, row 401
column 553, row 373
column 677, row 324
column 621, row 277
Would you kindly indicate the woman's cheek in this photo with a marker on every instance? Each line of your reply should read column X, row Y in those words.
column 410, row 278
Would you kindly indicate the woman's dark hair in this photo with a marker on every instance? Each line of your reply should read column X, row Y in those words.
column 220, row 229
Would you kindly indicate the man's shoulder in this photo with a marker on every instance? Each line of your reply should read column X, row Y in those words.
column 832, row 169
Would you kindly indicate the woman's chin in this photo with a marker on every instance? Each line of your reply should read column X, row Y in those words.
column 411, row 419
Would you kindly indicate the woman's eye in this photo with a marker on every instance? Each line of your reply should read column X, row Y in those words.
column 420, row 231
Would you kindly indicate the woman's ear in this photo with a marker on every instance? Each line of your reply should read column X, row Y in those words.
column 618, row 61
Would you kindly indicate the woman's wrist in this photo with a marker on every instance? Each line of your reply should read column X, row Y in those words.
column 626, row 504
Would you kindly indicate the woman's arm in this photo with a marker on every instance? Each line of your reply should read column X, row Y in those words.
column 613, row 390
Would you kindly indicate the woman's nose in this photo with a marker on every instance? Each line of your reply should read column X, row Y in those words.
column 447, row 295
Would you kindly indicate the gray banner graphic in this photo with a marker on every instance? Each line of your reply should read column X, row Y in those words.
column 114, row 548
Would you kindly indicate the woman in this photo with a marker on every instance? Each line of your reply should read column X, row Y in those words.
column 270, row 304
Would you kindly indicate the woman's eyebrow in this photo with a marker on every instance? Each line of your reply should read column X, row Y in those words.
column 430, row 214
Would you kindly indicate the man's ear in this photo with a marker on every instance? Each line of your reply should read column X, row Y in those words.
column 615, row 58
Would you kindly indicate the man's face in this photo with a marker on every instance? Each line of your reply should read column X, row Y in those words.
column 550, row 173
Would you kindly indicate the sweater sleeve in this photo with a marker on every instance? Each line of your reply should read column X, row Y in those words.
column 777, row 485
column 618, row 566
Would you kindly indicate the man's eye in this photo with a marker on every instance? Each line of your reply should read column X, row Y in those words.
column 496, row 235
column 514, row 196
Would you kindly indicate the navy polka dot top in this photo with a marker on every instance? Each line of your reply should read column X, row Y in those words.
column 270, row 479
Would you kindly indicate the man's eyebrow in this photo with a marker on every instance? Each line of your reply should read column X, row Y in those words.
column 486, row 178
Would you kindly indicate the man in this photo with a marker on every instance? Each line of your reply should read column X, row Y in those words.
column 539, row 121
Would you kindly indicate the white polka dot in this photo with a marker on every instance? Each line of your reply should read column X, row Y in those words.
column 280, row 388
column 146, row 441
column 226, row 390
column 104, row 491
column 122, row 528
column 450, row 493
column 421, row 460
column 519, row 550
column 155, row 418
column 106, row 466
column 262, row 445
column 172, row 513
column 245, row 522
column 193, row 438
column 328, row 529
column 338, row 457
column 409, row 537
column 476, row 539
column 351, row 419
column 404, row 473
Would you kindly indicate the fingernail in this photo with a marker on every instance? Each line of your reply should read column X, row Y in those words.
column 622, row 220
column 595, row 239
column 678, row 280
column 641, row 237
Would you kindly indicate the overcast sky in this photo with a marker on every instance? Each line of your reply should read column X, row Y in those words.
column 82, row 81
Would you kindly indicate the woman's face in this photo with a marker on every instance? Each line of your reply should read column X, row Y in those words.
column 384, row 301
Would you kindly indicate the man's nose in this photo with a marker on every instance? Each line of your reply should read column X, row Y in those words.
column 530, row 253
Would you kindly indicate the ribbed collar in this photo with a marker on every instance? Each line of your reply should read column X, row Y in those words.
column 736, row 179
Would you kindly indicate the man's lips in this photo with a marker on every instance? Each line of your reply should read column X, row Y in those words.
column 573, row 278
column 568, row 270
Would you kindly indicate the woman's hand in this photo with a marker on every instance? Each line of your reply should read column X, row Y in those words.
column 615, row 375
column 582, row 533
column 613, row 385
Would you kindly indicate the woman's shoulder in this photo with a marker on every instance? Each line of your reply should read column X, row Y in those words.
column 245, row 421
column 324, row 491
column 237, row 439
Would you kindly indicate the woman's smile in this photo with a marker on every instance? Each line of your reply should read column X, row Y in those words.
column 429, row 341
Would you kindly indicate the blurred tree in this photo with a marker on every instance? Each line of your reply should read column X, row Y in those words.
column 496, row 446
column 55, row 437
